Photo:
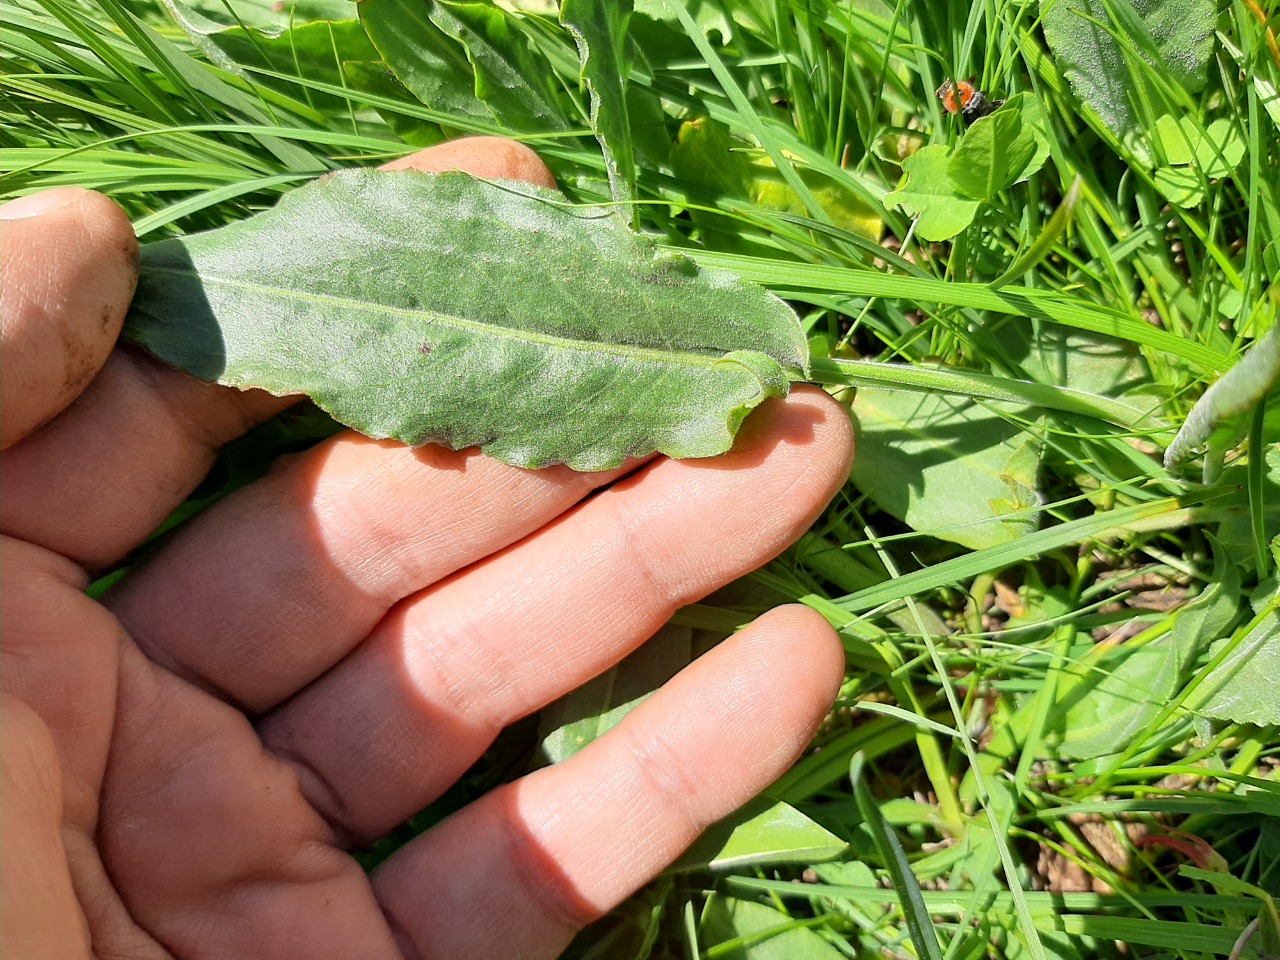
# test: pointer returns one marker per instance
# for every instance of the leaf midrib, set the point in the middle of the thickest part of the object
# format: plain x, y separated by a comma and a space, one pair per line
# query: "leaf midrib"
645, 354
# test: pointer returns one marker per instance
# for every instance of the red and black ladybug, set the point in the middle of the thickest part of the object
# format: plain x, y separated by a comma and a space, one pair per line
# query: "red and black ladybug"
962, 97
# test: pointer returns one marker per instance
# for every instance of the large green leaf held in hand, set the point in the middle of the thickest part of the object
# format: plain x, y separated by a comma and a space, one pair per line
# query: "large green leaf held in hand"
438, 307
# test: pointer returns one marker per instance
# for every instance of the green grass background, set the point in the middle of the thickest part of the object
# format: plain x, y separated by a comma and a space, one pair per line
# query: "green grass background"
1050, 634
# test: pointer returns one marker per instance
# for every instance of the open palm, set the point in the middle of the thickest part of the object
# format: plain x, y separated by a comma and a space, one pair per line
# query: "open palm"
313, 660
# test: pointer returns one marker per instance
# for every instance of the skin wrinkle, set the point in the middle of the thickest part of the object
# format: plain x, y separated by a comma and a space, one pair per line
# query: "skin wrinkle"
635, 543
320, 794
386, 561
662, 770
544, 882
444, 680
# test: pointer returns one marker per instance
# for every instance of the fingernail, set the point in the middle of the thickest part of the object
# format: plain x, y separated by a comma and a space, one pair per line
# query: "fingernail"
37, 204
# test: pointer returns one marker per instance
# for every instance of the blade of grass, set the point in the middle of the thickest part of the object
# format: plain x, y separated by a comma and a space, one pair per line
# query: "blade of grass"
1016, 301
1032, 545
1044, 243
747, 115
905, 884
898, 376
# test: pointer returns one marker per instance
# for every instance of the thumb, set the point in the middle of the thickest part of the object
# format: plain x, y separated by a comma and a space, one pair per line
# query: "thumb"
68, 265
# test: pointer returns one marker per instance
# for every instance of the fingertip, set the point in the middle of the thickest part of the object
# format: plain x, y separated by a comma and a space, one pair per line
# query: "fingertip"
492, 158
540, 857
70, 264
808, 657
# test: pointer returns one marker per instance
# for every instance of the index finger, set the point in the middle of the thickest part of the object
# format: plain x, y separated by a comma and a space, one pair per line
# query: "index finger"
97, 479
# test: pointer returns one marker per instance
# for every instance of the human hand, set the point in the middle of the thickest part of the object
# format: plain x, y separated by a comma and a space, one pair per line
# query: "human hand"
308, 663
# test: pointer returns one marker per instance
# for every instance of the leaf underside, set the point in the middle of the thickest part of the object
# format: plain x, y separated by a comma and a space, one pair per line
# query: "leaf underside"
439, 307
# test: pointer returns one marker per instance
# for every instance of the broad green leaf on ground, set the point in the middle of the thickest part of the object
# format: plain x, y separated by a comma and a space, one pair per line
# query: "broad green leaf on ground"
929, 192
440, 307
1088, 361
432, 66
764, 831
947, 466
1238, 390
998, 151
1237, 529
707, 155
599, 28
375, 77
511, 78
1243, 688
1103, 702
469, 59
1118, 54
313, 50
1192, 156
741, 930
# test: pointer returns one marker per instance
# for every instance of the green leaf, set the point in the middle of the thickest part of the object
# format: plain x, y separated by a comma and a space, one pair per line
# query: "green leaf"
312, 50
1179, 185
599, 28
375, 78
432, 65
469, 59
1118, 53
728, 168
927, 189
439, 307
1220, 150
1102, 705
995, 152
1243, 686
1238, 390
1193, 156
1089, 361
741, 930
946, 466
764, 831
273, 16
